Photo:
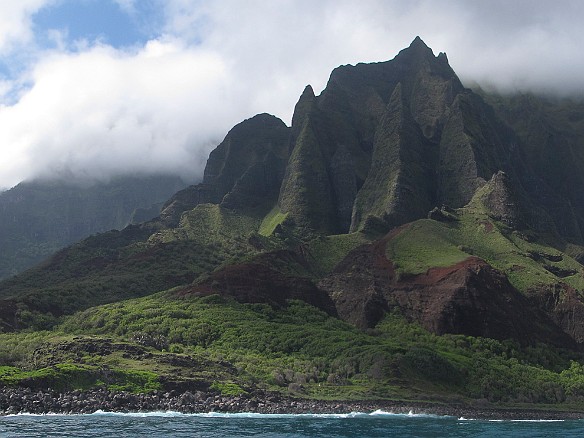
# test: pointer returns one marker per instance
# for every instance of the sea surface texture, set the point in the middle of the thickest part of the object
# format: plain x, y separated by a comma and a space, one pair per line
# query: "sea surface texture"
377, 424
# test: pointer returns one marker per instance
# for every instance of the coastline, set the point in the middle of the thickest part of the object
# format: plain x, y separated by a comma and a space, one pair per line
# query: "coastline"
28, 401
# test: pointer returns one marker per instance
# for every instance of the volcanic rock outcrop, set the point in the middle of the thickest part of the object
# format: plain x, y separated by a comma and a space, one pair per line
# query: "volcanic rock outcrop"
243, 173
470, 297
386, 142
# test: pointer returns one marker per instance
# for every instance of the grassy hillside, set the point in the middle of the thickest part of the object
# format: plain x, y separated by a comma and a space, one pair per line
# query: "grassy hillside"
136, 261
214, 343
526, 258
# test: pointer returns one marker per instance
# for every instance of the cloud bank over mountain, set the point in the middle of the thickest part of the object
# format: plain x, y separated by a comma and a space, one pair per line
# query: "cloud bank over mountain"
93, 106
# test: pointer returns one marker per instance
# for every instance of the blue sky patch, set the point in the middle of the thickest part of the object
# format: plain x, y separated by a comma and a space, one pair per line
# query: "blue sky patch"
96, 20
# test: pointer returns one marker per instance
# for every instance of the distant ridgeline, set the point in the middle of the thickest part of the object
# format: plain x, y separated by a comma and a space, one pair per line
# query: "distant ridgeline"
397, 199
40, 217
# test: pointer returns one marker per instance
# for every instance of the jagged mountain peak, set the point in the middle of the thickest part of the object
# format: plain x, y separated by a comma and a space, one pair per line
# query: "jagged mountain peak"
416, 55
418, 52
442, 57
302, 109
417, 45
308, 92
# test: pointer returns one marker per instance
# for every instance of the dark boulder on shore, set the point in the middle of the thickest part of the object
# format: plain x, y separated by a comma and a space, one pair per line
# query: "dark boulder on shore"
27, 401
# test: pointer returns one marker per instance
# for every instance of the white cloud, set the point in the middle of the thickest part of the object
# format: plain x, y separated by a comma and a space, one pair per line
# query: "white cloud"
524, 44
15, 22
520, 45
103, 112
163, 106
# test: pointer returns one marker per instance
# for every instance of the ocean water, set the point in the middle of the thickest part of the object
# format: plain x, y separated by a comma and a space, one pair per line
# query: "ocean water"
377, 424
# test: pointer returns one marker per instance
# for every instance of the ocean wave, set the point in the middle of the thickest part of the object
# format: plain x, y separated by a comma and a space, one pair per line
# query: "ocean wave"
241, 415
410, 414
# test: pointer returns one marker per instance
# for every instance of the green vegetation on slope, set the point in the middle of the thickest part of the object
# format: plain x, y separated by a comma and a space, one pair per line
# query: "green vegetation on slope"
230, 347
526, 262
274, 218
209, 224
326, 252
136, 261
219, 344
425, 244
67, 376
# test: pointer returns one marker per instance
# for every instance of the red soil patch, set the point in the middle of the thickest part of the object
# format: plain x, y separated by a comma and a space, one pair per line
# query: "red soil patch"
437, 274
470, 297
255, 282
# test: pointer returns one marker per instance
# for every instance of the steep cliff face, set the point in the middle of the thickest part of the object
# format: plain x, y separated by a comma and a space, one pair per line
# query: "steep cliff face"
565, 306
243, 173
507, 203
307, 192
550, 133
389, 141
400, 185
258, 143
393, 140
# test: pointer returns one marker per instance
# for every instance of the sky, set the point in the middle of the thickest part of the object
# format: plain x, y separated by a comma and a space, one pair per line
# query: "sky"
91, 89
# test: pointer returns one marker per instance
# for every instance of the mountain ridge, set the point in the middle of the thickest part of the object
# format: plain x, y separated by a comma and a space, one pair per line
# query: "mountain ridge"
431, 143
40, 217
398, 202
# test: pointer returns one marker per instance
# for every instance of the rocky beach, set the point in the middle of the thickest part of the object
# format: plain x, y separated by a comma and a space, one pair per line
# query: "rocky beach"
15, 401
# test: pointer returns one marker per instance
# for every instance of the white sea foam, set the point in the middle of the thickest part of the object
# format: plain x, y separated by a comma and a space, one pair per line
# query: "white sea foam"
504, 420
27, 414
141, 414
227, 415
410, 414
243, 415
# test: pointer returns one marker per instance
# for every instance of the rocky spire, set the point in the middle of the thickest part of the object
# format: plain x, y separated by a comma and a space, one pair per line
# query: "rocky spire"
418, 50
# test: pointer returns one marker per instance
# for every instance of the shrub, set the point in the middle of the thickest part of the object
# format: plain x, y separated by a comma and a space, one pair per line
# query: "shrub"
228, 388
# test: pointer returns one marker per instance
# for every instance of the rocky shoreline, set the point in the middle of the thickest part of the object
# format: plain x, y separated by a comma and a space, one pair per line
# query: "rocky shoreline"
28, 401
